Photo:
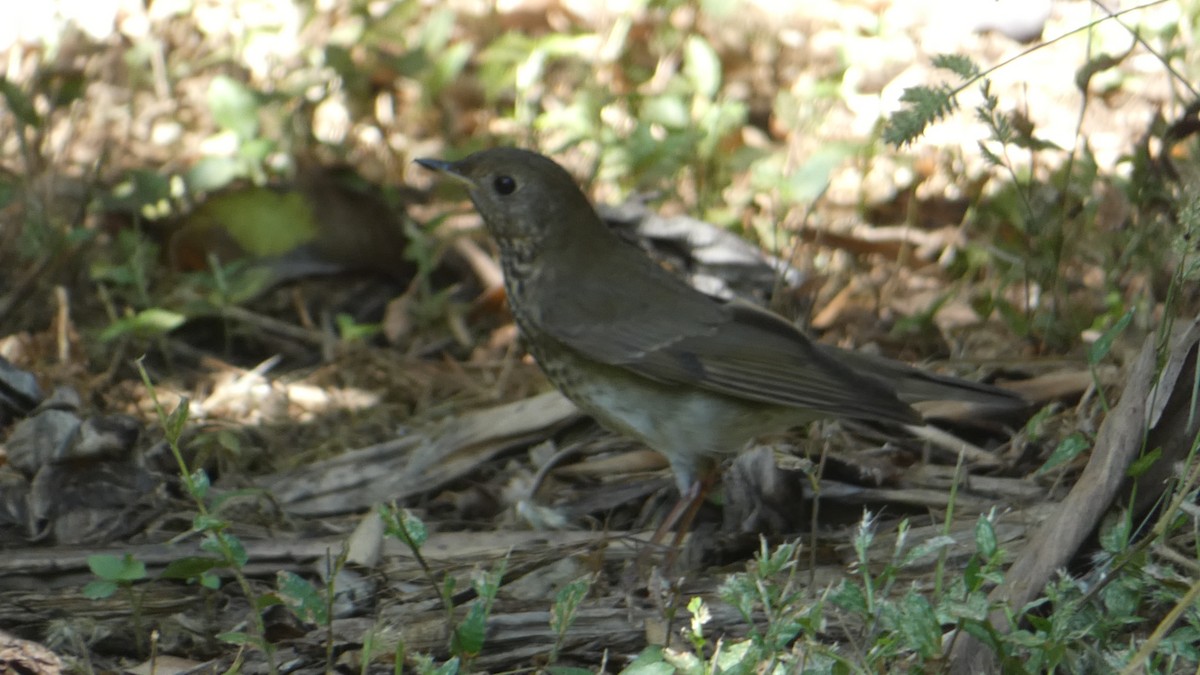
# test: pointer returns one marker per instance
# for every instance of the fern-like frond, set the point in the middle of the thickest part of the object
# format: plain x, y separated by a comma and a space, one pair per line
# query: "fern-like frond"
963, 66
924, 106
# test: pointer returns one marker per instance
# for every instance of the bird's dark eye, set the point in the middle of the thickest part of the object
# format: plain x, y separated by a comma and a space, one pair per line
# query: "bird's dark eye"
504, 185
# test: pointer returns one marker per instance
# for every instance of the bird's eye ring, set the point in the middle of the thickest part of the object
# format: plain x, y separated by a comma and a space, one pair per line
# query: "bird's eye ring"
504, 185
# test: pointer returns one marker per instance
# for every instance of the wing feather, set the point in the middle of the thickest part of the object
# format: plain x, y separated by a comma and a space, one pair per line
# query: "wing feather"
680, 336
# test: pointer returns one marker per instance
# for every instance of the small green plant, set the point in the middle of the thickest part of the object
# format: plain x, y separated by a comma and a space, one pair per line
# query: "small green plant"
466, 637
312, 605
113, 573
786, 622
778, 612
894, 629
118, 573
131, 271
226, 549
425, 251
300, 596
351, 330
34, 106
565, 608
236, 109
1041, 230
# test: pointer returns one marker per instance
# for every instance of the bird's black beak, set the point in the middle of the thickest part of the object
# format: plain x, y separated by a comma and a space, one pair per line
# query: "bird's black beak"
435, 164
445, 168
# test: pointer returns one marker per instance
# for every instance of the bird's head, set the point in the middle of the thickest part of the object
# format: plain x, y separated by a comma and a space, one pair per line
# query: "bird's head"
524, 198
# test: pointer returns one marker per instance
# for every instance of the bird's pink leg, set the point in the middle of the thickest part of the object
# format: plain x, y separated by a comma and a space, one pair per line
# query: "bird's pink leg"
683, 513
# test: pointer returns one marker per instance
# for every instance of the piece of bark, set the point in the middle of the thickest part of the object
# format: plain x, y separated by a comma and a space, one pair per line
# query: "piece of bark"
25, 657
1175, 422
421, 462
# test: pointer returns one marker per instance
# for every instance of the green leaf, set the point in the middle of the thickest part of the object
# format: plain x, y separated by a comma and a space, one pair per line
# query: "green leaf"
138, 189
487, 584
230, 441
191, 568
1120, 600
1068, 449
119, 569
236, 638
261, 221
920, 625
963, 66
739, 657
449, 64
469, 635
255, 151
702, 66
225, 545
201, 486
1103, 344
649, 662
233, 106
267, 600
700, 616
9, 190
302, 598
685, 662
66, 87
1142, 464
718, 8
1096, 65
925, 105
19, 103
559, 45
353, 331
99, 589
436, 29
1015, 318
804, 184
666, 109
448, 668
214, 173
177, 420
240, 557
403, 525
990, 157
148, 323
222, 500
105, 566
741, 592
926, 548
810, 180
1035, 428
209, 543
985, 537
566, 604
849, 596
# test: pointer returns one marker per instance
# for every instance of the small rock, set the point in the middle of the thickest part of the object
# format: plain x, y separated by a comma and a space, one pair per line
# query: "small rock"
63, 398
19, 392
110, 436
14, 502
43, 439
97, 503
761, 497
25, 656
1020, 20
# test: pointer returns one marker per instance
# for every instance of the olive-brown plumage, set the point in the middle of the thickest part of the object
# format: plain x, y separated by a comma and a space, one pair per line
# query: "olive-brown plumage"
692, 377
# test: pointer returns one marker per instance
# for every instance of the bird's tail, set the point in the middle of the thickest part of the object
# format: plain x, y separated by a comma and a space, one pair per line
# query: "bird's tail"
913, 385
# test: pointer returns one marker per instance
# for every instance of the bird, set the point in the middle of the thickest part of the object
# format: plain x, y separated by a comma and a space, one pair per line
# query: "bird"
646, 355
